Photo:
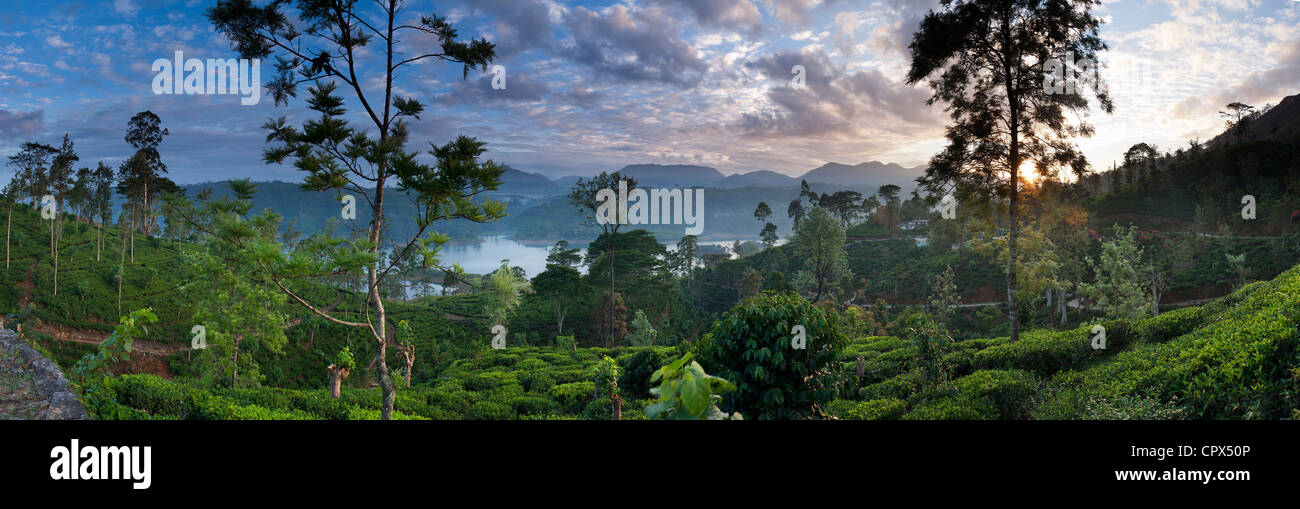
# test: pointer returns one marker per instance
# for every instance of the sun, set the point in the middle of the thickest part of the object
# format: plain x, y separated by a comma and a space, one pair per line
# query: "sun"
1029, 172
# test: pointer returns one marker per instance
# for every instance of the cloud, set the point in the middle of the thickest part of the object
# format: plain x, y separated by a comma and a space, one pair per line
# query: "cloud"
479, 91
126, 7
733, 15
643, 45
520, 25
57, 42
21, 124
835, 102
1255, 87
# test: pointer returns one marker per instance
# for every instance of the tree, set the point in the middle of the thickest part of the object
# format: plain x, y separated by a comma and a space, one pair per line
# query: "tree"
987, 59
1119, 289
239, 307
820, 241
769, 235
60, 182
563, 255
343, 365
31, 167
505, 288
641, 332
585, 195
330, 50
944, 297
610, 316
1140, 155
102, 198
762, 212
142, 176
889, 194
687, 248
1235, 118
795, 211
843, 204
751, 283
561, 286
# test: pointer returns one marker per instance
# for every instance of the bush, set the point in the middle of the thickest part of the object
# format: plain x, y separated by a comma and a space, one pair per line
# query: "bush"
573, 397
635, 381
751, 347
491, 410
532, 405
876, 409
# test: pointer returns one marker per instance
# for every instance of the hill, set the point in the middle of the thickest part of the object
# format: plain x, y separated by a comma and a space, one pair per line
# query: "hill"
1232, 358
864, 176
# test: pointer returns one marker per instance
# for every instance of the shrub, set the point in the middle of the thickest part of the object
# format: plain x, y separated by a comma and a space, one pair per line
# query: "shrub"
491, 410
751, 347
635, 380
876, 409
686, 392
573, 397
532, 405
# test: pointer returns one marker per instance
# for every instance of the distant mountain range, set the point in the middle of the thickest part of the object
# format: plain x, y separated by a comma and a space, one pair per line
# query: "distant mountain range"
866, 177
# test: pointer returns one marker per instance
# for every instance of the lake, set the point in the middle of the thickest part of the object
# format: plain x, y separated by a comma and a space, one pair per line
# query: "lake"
486, 256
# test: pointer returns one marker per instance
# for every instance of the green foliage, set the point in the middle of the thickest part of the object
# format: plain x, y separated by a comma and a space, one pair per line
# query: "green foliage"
345, 360
635, 378
640, 332
751, 346
876, 409
686, 392
1121, 277
604, 375
565, 343
117, 346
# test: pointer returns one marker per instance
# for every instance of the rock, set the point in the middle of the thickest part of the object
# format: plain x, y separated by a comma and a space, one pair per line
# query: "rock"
65, 406
59, 400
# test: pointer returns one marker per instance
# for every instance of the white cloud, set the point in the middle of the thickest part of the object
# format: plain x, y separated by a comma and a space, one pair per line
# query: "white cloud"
126, 7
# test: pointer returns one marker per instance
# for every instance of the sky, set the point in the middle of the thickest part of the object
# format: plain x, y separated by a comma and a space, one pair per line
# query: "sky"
592, 86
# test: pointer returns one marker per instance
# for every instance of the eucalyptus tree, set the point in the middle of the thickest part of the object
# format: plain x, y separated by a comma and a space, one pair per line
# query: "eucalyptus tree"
60, 182
989, 62
586, 195
333, 43
102, 196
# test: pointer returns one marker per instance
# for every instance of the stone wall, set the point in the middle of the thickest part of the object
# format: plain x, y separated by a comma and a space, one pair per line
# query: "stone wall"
55, 398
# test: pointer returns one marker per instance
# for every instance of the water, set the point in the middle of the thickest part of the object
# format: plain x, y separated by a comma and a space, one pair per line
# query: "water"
486, 256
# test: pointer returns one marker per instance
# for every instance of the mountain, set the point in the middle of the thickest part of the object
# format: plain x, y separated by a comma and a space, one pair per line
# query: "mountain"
868, 176
675, 175
760, 178
1281, 122
521, 182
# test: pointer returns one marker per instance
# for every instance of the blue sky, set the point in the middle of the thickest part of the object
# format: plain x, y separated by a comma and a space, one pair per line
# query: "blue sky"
595, 85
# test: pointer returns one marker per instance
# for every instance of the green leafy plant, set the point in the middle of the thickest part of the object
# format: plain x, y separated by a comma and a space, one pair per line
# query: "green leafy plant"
688, 393
753, 346
117, 346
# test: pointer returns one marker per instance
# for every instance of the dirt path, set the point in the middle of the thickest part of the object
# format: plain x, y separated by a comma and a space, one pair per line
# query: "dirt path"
94, 337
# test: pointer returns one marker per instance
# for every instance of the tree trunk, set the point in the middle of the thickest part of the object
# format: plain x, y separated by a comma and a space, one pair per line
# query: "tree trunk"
408, 354
1063, 304
337, 375
614, 231
8, 226
618, 407
99, 233
234, 380
121, 276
